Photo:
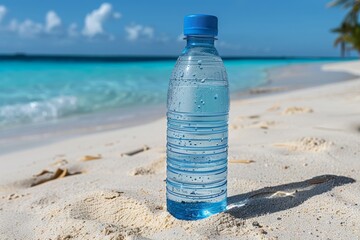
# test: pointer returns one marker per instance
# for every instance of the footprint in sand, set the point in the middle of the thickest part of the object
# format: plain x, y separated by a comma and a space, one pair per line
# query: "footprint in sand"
124, 215
153, 168
112, 207
307, 144
297, 110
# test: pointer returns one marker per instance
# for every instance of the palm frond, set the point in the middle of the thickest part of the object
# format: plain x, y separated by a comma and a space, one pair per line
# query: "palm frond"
343, 3
352, 16
349, 30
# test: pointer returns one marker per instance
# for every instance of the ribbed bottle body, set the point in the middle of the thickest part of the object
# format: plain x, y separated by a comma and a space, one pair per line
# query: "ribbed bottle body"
197, 134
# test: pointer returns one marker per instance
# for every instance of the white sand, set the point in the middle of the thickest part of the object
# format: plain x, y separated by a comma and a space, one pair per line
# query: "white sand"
293, 138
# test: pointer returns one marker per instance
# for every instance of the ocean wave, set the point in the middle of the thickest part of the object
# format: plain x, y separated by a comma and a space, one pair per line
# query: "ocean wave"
38, 111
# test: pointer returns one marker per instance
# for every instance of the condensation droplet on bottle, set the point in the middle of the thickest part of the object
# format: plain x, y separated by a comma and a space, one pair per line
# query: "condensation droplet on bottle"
216, 96
203, 80
199, 106
182, 74
199, 62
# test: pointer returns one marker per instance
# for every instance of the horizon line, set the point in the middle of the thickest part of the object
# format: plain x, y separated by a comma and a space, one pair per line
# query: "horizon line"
130, 57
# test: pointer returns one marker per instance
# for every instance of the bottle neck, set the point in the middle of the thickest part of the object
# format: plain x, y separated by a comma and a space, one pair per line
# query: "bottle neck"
203, 41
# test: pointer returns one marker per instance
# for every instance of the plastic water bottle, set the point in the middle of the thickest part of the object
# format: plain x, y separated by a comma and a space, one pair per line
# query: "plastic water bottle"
197, 130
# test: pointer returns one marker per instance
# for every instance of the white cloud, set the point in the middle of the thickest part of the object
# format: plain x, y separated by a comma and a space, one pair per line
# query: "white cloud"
94, 21
93, 25
27, 28
30, 28
3, 11
52, 21
135, 31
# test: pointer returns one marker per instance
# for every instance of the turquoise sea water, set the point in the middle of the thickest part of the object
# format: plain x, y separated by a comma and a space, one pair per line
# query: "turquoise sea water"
41, 91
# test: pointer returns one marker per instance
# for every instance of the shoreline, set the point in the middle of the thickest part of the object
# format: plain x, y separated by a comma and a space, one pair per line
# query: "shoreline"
280, 79
292, 156
33, 135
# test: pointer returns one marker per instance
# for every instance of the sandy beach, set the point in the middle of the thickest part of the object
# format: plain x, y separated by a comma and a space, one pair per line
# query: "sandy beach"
294, 163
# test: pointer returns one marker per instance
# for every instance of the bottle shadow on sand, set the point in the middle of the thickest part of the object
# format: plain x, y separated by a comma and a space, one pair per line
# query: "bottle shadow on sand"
278, 198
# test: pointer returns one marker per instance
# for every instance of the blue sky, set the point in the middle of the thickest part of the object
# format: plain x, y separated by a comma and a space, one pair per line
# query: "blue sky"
141, 27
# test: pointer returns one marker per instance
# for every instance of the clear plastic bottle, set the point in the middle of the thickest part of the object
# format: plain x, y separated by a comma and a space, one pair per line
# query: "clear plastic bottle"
197, 133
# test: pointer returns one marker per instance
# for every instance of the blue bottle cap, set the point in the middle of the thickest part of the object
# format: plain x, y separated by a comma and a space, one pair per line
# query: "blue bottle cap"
200, 24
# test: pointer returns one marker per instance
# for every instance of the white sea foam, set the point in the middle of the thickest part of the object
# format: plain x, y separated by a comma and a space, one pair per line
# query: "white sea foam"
38, 111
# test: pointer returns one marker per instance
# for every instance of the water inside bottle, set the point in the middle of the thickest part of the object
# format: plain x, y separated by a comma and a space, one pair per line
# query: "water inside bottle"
197, 138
